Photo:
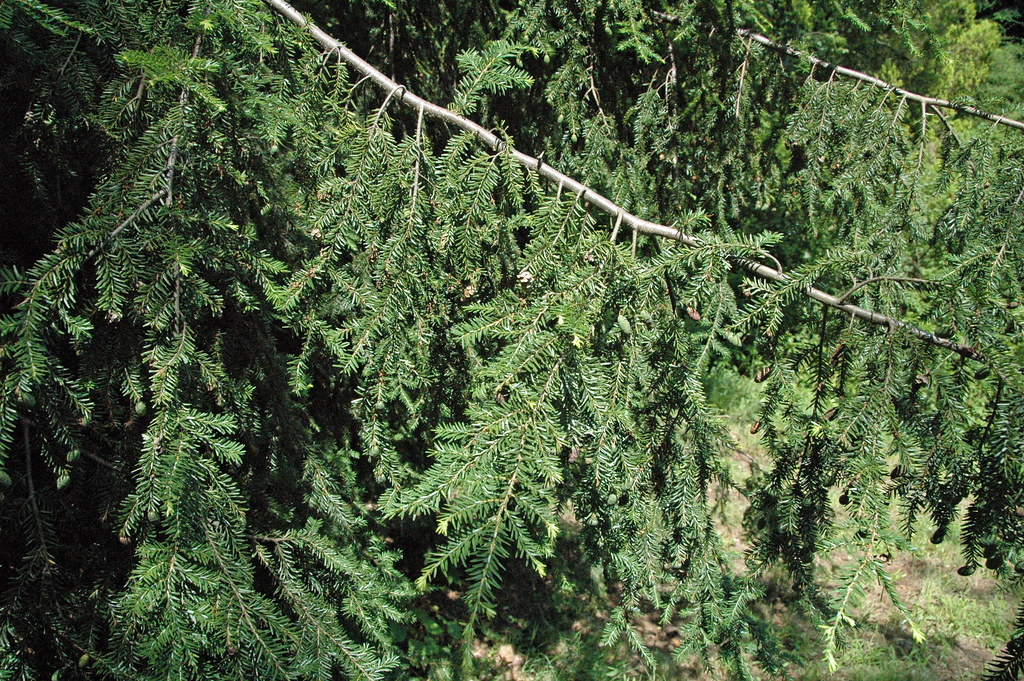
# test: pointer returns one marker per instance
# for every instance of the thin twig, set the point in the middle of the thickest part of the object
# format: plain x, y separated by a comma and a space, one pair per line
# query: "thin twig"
824, 108
1006, 237
127, 221
71, 54
100, 460
271, 540
778, 265
598, 200
168, 203
899, 112
755, 465
924, 131
597, 97
743, 73
36, 515
416, 167
942, 117
384, 106
172, 159
991, 416
615, 230
177, 299
672, 75
872, 280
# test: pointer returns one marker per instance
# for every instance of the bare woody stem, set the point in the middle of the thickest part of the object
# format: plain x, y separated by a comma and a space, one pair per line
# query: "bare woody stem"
586, 193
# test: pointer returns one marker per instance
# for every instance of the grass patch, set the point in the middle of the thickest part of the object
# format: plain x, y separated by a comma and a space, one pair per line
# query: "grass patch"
966, 621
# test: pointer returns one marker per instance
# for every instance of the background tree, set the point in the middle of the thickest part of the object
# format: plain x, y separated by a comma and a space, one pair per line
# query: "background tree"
281, 347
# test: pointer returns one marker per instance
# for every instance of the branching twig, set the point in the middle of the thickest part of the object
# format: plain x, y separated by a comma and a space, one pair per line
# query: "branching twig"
598, 200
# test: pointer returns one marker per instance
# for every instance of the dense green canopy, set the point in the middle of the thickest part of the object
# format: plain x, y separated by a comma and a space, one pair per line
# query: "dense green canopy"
285, 347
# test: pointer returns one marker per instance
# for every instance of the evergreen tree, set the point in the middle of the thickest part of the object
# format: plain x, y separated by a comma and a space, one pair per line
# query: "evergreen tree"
285, 342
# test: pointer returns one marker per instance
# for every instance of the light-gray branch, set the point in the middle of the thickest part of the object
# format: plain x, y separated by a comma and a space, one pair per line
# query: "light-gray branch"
924, 100
586, 193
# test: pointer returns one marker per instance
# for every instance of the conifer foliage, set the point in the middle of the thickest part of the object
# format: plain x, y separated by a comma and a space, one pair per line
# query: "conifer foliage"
259, 317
